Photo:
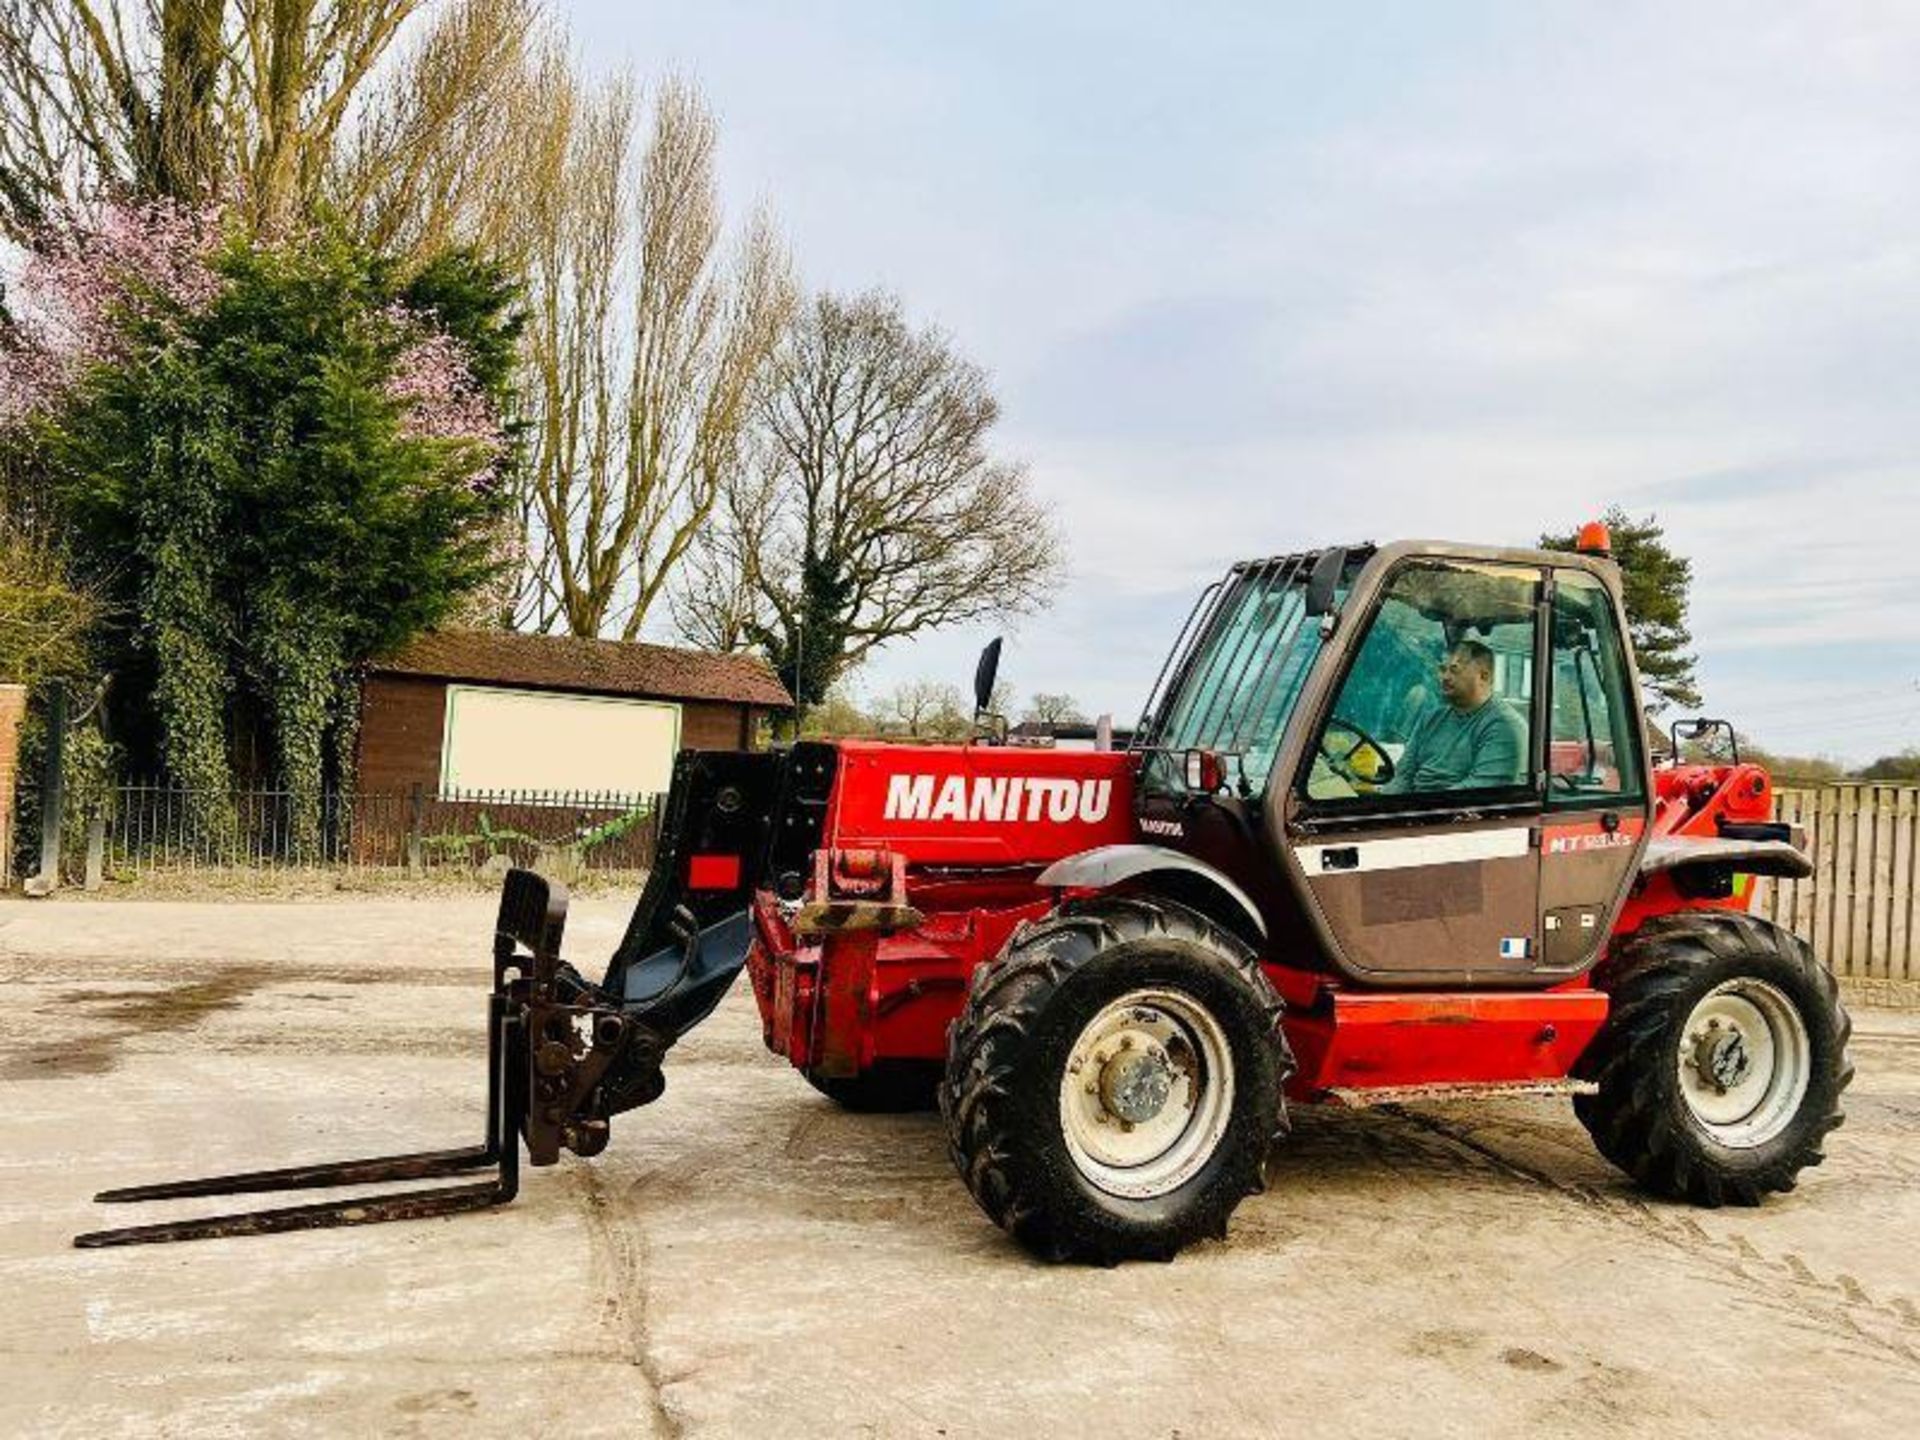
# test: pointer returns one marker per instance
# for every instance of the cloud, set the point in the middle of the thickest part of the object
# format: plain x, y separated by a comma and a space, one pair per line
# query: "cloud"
1743, 484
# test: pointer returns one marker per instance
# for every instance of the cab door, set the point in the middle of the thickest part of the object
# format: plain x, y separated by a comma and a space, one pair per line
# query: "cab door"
1597, 803
1416, 810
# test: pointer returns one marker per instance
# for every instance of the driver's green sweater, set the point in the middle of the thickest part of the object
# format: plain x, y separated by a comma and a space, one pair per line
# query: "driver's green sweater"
1451, 749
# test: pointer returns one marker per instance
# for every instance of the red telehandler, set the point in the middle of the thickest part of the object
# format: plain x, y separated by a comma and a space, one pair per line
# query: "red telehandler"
1387, 830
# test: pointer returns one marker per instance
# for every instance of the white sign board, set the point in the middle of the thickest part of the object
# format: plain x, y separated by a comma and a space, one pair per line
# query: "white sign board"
528, 740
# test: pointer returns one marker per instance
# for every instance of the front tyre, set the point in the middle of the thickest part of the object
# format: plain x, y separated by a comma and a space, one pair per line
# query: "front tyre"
1114, 1082
1722, 1060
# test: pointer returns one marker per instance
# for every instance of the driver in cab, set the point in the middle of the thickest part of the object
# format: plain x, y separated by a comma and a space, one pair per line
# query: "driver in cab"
1472, 742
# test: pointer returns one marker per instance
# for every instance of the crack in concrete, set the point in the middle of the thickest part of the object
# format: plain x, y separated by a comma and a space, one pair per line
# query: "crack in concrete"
620, 1256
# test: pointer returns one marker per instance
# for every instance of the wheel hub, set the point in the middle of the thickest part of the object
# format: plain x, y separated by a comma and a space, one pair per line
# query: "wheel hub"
1722, 1058
1147, 1093
1745, 1061
1136, 1084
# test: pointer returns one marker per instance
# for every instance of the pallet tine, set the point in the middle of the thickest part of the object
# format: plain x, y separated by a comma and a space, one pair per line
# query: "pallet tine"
532, 913
505, 1099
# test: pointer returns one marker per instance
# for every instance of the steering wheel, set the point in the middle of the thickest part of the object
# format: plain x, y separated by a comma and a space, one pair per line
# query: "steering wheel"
1342, 760
1578, 782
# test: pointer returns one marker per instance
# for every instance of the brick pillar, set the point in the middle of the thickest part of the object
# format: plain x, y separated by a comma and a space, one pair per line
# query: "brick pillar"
13, 710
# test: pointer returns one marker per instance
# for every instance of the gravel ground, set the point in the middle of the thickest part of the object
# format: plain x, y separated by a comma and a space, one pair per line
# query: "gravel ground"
746, 1259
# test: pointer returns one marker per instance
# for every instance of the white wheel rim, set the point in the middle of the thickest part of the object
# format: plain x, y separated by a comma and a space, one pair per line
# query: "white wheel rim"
1147, 1094
1745, 1062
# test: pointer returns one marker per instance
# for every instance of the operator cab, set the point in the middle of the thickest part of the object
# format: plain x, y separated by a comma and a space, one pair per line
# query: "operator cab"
1407, 756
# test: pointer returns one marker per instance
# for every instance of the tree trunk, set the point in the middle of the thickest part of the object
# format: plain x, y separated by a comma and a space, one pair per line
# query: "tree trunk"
185, 149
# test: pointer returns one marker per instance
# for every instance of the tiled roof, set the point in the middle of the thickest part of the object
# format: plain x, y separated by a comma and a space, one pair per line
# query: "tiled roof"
601, 667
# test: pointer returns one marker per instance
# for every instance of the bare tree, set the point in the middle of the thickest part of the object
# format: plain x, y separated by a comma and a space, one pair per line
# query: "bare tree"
441, 150
1049, 709
839, 713
924, 709
877, 510
71, 103
274, 105
716, 602
647, 342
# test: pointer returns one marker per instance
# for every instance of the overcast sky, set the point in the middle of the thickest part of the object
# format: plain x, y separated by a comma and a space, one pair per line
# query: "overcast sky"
1253, 278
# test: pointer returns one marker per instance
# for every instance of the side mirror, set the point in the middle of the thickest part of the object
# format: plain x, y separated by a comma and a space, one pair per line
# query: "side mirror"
1323, 580
1205, 774
984, 674
1689, 730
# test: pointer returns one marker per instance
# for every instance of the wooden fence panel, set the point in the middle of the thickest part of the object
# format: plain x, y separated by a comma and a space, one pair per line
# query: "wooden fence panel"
1797, 807
1901, 935
1857, 897
1840, 883
1808, 817
1826, 853
1860, 909
1880, 892
1845, 805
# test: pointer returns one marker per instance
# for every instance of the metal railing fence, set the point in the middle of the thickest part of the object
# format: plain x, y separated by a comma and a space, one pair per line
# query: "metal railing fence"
140, 828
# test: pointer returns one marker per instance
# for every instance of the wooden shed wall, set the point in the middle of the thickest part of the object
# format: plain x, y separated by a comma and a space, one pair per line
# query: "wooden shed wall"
403, 720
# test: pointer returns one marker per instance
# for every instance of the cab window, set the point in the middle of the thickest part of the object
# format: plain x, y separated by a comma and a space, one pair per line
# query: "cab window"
1438, 700
1594, 754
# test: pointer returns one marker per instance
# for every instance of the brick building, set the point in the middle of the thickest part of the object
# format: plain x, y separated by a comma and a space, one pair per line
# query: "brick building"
13, 711
488, 710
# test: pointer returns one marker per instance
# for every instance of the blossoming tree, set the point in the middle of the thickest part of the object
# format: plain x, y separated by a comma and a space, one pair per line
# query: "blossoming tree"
280, 459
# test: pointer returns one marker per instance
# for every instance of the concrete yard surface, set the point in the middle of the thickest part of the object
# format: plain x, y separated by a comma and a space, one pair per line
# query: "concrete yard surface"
746, 1259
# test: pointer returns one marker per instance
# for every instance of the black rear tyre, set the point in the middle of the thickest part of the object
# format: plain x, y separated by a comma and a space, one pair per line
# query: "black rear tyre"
1722, 1060
1108, 1009
891, 1087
